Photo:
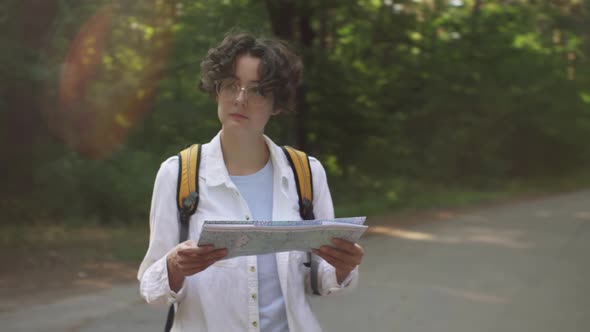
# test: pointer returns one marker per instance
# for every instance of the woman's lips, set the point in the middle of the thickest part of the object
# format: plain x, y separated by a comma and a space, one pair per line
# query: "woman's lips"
238, 116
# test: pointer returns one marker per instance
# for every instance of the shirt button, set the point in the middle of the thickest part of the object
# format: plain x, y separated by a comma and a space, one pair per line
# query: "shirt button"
254, 296
252, 269
254, 323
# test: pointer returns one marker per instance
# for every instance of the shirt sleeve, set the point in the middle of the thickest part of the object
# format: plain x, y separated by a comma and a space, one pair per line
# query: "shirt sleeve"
324, 209
164, 232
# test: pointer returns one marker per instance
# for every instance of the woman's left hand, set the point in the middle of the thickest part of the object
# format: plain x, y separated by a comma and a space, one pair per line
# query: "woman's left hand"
344, 256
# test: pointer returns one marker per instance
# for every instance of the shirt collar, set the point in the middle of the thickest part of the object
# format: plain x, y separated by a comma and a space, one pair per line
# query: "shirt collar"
213, 164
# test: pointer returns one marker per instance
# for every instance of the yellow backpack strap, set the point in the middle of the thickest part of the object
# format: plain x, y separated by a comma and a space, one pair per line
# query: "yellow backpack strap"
187, 196
187, 199
302, 171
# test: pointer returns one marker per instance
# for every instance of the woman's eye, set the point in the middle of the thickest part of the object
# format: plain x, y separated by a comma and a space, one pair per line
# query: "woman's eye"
257, 91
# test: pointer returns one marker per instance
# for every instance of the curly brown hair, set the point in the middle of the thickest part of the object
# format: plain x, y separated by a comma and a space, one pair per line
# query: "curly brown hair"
280, 70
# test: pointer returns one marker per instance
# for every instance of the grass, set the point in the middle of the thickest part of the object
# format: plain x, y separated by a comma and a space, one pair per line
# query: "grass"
434, 198
66, 259
94, 242
127, 244
424, 197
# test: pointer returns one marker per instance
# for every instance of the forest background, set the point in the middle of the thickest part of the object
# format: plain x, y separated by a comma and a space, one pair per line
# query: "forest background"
409, 104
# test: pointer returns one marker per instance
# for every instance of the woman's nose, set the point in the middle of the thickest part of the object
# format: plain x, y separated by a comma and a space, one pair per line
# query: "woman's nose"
241, 98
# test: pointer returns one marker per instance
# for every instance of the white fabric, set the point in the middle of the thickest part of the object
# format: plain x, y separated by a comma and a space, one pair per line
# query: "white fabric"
224, 297
256, 189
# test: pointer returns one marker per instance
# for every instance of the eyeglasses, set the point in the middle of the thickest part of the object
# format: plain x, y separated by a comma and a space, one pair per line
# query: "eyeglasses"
230, 90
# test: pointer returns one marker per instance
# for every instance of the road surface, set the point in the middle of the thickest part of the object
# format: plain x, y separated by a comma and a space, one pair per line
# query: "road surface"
517, 267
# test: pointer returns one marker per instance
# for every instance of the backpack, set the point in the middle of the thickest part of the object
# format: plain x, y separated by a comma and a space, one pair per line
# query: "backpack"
187, 198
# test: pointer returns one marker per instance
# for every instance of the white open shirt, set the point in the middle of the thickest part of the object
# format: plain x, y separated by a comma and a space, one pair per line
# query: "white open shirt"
224, 296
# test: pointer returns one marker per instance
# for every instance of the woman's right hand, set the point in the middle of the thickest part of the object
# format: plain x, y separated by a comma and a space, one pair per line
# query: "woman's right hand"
187, 259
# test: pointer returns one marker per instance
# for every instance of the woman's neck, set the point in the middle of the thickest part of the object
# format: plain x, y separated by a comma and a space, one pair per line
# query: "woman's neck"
243, 155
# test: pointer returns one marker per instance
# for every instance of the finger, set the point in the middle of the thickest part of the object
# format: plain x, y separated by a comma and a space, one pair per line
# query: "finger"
346, 245
202, 265
352, 248
343, 256
186, 245
201, 257
215, 254
193, 266
190, 260
195, 251
190, 243
203, 260
336, 263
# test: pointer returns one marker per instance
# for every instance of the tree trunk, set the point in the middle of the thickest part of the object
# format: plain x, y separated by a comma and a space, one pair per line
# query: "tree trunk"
284, 14
282, 17
30, 22
306, 36
475, 17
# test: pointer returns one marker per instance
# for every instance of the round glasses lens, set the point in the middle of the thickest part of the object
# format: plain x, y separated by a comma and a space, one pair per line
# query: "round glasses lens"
229, 91
255, 96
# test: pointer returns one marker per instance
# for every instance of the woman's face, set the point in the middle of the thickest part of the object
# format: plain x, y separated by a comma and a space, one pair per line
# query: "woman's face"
240, 106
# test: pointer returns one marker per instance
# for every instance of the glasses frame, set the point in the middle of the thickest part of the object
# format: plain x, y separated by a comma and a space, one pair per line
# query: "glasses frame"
233, 95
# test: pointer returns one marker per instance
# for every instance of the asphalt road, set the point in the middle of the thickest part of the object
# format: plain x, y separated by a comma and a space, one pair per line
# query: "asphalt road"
517, 267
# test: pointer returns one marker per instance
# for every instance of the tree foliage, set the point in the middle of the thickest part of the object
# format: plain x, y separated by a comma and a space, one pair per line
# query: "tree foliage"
397, 94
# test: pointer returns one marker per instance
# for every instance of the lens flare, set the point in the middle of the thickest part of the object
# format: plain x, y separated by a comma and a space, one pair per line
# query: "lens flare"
110, 74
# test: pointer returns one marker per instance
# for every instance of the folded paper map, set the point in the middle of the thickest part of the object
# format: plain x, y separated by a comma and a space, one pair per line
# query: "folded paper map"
243, 238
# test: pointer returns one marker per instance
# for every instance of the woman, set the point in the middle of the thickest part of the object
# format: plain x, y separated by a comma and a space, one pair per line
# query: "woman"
243, 176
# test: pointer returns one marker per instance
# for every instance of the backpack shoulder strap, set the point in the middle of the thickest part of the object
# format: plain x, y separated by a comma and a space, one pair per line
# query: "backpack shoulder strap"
303, 178
187, 199
187, 196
